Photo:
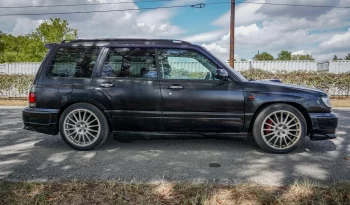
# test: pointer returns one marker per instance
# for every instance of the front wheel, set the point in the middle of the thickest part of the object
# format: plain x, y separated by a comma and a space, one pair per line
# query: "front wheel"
83, 126
279, 128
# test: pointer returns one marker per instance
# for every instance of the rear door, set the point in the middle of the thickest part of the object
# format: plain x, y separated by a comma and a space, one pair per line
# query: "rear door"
67, 76
193, 99
128, 87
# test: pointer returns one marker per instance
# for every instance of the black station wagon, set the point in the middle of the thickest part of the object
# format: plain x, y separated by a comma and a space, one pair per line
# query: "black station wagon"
87, 89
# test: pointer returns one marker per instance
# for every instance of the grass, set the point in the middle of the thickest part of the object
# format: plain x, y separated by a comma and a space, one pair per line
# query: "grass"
339, 102
88, 192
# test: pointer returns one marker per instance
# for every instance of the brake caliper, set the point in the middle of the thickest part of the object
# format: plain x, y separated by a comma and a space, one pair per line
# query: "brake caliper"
268, 126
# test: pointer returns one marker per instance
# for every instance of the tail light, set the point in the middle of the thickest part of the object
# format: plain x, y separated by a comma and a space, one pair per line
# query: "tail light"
32, 97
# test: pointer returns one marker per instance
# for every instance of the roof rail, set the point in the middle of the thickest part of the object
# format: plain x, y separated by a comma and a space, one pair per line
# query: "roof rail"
127, 39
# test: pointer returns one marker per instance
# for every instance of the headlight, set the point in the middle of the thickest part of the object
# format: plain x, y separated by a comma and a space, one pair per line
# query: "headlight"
326, 101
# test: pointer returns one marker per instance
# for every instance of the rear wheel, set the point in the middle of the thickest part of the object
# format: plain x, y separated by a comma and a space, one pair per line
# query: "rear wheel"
279, 128
83, 126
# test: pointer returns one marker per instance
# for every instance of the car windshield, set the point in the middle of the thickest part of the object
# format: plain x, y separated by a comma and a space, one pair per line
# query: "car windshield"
238, 74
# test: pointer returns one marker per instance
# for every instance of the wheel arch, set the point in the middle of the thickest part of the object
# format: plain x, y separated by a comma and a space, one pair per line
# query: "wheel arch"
67, 104
301, 108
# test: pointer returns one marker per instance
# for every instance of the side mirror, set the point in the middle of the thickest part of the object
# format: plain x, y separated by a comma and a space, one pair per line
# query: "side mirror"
221, 74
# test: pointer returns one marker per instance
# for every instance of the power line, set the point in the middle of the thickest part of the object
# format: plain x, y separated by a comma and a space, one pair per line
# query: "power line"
114, 10
150, 1
86, 4
296, 5
165, 7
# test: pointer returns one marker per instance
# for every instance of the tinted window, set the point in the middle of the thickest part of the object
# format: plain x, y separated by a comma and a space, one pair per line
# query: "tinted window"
130, 62
74, 62
185, 64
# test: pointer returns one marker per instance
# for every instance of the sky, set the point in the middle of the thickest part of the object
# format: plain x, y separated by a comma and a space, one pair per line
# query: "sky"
321, 32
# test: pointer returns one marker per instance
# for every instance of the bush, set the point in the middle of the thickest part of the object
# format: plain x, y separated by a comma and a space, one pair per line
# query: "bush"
331, 83
18, 84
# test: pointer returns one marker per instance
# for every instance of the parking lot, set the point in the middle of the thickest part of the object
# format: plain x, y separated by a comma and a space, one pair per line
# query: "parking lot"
26, 155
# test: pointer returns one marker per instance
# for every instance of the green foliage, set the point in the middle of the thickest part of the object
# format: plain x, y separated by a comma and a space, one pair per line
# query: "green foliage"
285, 55
54, 30
16, 82
347, 57
306, 57
185, 74
323, 81
30, 47
263, 57
335, 58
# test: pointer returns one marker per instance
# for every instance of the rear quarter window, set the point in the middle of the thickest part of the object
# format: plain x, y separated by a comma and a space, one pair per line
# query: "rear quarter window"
74, 62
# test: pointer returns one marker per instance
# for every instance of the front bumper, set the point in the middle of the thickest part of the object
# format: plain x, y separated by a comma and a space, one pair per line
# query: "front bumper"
41, 120
324, 126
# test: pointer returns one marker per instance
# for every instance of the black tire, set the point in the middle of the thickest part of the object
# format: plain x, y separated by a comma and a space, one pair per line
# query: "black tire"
104, 127
257, 128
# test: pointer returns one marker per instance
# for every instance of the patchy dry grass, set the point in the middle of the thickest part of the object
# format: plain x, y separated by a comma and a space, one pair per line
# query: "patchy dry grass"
339, 102
344, 102
82, 192
13, 102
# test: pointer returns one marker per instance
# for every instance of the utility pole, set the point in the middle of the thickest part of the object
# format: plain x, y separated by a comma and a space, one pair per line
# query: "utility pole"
232, 34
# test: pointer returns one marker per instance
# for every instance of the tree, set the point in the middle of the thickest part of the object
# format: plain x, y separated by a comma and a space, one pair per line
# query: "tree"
263, 57
54, 30
306, 57
2, 45
347, 57
285, 55
30, 47
243, 59
335, 58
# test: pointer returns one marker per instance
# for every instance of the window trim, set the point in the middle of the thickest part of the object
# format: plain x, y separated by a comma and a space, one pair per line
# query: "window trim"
104, 57
53, 55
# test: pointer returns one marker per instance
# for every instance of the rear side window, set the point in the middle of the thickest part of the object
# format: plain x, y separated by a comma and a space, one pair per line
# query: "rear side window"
130, 63
74, 62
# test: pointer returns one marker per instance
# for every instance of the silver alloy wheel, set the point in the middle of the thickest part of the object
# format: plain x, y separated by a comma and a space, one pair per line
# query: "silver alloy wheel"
81, 127
281, 130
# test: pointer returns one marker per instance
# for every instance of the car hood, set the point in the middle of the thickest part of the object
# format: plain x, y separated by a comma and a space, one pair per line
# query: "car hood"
285, 87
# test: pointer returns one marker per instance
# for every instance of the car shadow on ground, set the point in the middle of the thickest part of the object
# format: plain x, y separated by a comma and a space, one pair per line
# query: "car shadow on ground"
28, 155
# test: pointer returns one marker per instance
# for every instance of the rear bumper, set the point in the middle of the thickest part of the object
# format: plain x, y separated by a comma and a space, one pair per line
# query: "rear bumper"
41, 120
324, 126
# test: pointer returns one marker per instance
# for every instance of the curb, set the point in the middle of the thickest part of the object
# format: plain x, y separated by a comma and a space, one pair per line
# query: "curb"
12, 107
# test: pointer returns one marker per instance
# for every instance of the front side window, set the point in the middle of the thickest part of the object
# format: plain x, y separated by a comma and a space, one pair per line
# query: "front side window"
130, 63
185, 64
74, 62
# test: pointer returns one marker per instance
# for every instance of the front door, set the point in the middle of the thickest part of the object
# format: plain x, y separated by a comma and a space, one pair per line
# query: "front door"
193, 99
129, 89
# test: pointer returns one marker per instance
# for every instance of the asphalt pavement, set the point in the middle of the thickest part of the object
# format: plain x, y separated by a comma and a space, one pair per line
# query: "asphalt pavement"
26, 155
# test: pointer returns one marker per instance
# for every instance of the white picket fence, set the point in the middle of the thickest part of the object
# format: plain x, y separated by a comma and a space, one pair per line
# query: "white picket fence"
339, 66
277, 65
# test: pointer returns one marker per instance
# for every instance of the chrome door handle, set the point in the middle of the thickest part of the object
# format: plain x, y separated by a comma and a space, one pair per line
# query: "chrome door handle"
107, 85
175, 87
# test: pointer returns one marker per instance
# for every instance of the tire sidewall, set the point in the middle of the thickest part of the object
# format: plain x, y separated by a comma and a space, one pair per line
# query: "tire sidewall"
260, 120
99, 114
